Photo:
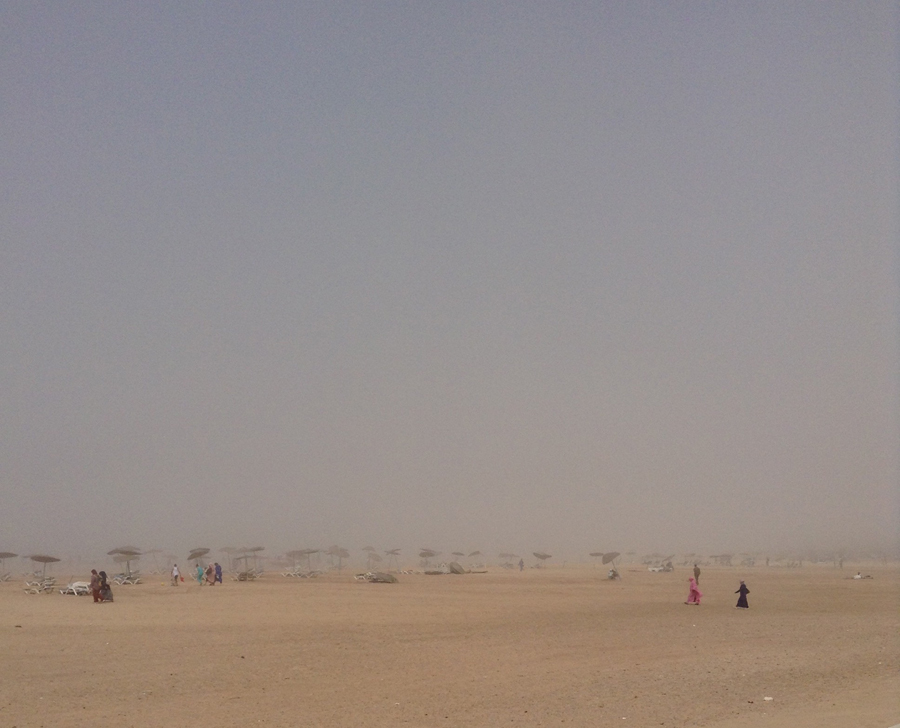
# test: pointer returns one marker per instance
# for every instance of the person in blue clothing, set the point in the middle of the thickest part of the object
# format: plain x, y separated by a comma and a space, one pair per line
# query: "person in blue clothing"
218, 572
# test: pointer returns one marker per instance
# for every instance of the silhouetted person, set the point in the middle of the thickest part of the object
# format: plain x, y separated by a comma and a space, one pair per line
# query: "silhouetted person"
742, 599
105, 590
521, 564
696, 573
95, 585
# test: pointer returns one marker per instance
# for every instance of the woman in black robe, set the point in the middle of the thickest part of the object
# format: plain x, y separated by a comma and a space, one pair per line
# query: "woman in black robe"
105, 590
742, 599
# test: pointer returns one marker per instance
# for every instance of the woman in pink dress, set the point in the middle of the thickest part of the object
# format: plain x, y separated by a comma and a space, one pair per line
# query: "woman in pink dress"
694, 593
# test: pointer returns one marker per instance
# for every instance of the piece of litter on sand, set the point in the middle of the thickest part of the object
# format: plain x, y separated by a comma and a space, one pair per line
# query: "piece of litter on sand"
768, 698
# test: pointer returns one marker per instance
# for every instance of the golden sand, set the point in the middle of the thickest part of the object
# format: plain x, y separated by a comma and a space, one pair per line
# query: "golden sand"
557, 646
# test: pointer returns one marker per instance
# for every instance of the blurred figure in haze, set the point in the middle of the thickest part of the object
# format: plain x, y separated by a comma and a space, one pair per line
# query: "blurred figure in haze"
95, 585
105, 590
175, 575
521, 564
218, 572
696, 573
694, 594
742, 599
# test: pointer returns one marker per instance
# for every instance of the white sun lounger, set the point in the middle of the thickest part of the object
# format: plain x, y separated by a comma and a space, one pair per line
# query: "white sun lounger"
77, 588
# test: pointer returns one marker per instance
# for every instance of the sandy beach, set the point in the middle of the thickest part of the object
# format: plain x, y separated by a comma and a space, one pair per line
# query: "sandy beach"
553, 646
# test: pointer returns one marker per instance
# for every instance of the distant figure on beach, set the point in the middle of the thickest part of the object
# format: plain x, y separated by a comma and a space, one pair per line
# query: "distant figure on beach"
199, 574
95, 585
210, 575
218, 572
175, 575
696, 573
742, 599
105, 591
521, 564
694, 594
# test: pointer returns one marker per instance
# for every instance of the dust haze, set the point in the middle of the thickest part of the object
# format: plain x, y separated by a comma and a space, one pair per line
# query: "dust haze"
500, 278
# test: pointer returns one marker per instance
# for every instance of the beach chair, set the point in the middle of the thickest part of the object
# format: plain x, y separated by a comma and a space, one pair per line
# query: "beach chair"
40, 587
76, 588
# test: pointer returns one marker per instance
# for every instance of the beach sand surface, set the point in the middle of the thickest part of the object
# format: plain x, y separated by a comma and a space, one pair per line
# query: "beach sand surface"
559, 646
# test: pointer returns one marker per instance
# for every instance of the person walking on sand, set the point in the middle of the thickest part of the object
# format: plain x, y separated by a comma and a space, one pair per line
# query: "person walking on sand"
210, 575
95, 585
175, 575
199, 574
694, 594
105, 590
218, 572
742, 599
521, 564
696, 573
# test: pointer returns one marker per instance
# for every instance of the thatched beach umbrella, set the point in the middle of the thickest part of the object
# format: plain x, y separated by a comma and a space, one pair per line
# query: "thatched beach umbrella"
43, 559
370, 552
611, 556
6, 555
153, 553
307, 553
393, 555
541, 556
128, 553
254, 551
293, 556
340, 553
197, 554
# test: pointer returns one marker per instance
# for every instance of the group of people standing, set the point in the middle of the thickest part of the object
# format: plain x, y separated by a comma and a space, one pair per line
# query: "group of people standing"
100, 587
694, 593
212, 574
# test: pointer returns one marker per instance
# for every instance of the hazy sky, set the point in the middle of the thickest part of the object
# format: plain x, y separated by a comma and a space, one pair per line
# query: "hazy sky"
512, 275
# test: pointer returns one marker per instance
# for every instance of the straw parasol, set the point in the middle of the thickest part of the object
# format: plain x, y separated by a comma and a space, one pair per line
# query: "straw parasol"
308, 553
128, 553
372, 557
197, 554
253, 552
293, 556
340, 552
427, 554
6, 555
393, 555
44, 559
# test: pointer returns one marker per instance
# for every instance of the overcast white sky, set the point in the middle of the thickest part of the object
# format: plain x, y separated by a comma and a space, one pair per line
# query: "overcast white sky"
499, 276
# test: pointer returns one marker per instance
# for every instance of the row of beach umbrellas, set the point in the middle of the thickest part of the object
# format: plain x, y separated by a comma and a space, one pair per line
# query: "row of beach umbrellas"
127, 554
